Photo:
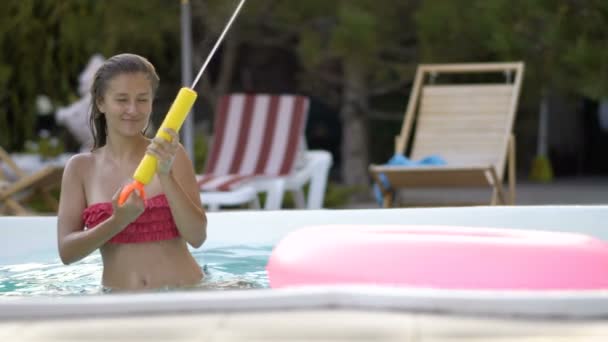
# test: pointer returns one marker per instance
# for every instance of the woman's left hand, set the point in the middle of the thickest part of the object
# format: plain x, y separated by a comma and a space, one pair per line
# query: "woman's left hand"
164, 151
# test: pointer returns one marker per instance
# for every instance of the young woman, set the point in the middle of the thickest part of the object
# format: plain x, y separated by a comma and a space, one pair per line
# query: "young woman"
143, 244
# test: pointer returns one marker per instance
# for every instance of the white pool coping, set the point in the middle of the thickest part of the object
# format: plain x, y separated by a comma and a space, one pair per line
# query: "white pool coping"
23, 237
497, 304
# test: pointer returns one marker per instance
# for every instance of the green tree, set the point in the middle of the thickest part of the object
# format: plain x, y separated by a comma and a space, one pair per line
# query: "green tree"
34, 52
585, 31
352, 51
537, 32
45, 45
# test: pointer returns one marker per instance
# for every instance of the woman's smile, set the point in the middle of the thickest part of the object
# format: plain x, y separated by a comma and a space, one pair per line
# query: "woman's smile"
131, 119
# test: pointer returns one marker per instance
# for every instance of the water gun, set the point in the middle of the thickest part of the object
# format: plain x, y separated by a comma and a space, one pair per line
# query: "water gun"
174, 119
147, 167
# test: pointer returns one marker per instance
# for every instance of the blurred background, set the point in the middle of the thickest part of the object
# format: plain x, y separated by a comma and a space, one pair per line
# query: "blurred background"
355, 59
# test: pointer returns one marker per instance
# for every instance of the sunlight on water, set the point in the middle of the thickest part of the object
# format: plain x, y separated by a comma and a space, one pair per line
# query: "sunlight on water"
226, 268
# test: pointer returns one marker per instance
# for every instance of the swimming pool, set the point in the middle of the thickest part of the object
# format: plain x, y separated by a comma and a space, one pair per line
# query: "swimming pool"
225, 268
26, 239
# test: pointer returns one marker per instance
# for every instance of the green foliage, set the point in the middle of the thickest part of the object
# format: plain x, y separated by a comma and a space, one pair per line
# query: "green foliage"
336, 196
147, 27
558, 41
200, 152
339, 196
353, 32
47, 43
46, 146
585, 58
356, 34
452, 31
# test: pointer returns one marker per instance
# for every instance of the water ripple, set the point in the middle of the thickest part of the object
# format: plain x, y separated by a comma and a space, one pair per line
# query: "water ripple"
226, 268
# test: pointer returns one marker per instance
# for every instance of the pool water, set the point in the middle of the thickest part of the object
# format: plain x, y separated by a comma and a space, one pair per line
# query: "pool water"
226, 268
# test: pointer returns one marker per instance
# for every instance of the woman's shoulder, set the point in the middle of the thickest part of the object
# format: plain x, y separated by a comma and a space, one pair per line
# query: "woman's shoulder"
80, 161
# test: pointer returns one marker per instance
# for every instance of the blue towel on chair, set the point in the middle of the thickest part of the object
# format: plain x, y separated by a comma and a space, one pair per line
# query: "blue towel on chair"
402, 160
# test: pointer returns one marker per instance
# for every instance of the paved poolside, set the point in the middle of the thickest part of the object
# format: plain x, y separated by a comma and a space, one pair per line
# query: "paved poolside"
562, 191
302, 326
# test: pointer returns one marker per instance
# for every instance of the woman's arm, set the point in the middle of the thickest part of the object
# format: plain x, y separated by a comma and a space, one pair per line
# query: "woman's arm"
183, 196
75, 243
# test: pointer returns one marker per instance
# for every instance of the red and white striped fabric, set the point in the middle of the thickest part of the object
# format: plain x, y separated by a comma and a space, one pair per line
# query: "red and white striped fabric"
255, 135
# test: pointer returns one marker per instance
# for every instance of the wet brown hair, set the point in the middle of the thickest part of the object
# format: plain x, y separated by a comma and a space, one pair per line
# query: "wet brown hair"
125, 63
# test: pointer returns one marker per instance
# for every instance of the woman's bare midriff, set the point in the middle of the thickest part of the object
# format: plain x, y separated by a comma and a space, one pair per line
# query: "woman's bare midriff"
149, 265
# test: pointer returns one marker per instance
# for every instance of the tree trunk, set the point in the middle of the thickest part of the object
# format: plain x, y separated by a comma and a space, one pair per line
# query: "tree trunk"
354, 146
542, 148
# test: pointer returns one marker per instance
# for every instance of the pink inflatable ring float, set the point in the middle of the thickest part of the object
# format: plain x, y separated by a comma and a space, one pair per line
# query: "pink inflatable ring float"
442, 257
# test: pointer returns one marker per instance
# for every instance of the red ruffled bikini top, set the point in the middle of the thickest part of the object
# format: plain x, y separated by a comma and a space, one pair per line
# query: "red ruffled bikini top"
154, 224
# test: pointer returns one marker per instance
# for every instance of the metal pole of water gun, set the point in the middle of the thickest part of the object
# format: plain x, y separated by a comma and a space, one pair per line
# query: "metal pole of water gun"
217, 43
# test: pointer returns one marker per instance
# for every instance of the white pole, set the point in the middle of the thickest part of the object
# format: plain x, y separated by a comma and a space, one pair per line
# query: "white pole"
186, 29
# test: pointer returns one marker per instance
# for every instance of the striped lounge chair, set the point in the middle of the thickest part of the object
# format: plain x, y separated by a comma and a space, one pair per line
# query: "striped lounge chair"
257, 140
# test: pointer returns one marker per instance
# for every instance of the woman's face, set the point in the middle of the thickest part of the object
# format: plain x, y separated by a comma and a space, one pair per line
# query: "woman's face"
127, 103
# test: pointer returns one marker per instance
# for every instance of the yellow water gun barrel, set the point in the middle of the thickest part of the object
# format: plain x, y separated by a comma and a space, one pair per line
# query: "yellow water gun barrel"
147, 167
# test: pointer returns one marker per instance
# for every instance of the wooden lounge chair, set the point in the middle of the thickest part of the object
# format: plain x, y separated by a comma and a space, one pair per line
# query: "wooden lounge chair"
469, 125
38, 183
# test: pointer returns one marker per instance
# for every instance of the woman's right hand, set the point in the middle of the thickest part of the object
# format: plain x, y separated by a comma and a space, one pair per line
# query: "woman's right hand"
130, 210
